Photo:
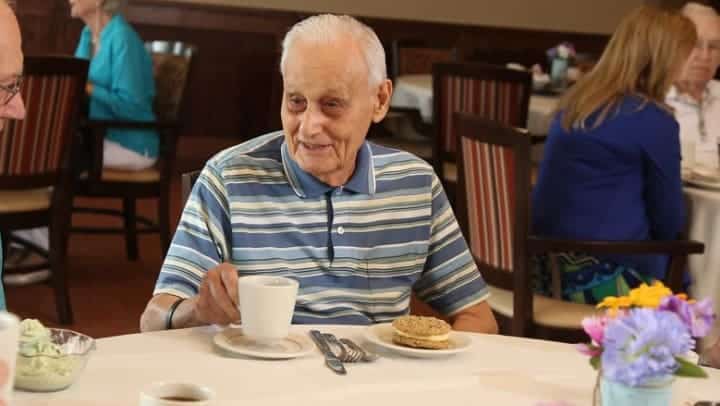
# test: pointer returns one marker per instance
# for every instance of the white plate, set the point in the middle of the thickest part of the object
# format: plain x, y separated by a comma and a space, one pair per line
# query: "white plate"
233, 341
381, 335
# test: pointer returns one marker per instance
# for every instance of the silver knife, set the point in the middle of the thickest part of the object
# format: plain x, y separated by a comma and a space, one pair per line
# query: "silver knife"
330, 359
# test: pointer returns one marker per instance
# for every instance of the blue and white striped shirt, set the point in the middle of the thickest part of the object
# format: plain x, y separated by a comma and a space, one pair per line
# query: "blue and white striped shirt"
357, 250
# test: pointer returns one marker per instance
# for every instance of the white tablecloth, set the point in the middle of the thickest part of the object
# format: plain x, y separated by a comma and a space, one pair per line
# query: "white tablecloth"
415, 91
703, 226
496, 370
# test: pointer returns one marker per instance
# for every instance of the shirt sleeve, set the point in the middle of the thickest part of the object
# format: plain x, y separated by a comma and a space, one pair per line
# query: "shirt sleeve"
450, 281
203, 237
132, 86
663, 184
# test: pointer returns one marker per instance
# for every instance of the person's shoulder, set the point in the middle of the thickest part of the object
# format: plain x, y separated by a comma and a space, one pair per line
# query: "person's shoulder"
640, 108
264, 147
390, 160
122, 31
713, 87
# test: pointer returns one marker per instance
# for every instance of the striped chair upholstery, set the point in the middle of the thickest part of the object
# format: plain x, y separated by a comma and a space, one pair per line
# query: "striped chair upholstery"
35, 164
36, 146
489, 173
489, 91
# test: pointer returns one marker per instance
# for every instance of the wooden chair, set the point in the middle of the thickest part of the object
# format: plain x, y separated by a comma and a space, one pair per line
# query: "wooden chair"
490, 91
494, 212
36, 179
171, 67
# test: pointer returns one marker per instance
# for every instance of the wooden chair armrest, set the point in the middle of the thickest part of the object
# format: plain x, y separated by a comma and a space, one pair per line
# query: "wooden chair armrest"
540, 245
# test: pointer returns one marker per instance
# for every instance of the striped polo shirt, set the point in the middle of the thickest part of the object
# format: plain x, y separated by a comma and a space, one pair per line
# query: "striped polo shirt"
357, 250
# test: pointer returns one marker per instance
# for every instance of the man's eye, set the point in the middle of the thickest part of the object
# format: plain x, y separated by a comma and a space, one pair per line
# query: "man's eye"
296, 103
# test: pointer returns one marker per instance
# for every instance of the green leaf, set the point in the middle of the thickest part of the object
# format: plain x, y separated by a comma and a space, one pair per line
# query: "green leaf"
595, 362
688, 369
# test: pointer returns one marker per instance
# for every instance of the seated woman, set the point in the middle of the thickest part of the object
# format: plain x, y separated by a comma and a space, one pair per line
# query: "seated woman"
611, 169
120, 87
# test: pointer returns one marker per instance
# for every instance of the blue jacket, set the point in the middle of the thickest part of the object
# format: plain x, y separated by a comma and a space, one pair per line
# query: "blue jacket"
121, 73
619, 181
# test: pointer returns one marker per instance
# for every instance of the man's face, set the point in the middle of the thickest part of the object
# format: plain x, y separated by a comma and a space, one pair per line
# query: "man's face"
705, 57
11, 64
328, 105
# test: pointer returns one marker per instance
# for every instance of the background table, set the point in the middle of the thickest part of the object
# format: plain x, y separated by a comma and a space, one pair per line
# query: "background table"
703, 226
415, 91
497, 370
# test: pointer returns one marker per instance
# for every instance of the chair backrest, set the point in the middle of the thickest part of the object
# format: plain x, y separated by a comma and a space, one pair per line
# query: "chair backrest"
35, 151
490, 91
188, 181
416, 57
493, 202
171, 67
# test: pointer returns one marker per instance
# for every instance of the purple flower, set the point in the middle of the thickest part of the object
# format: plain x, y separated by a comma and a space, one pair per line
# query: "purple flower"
643, 345
698, 316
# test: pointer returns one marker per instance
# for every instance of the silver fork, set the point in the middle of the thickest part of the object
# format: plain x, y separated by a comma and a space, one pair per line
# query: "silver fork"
347, 354
367, 355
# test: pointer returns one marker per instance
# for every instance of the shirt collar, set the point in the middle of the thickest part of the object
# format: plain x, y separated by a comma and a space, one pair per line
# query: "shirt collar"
676, 96
306, 185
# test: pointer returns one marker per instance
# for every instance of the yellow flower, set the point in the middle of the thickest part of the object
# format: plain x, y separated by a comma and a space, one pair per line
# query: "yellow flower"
649, 296
614, 303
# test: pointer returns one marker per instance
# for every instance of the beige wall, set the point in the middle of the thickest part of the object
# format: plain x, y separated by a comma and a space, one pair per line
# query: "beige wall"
593, 16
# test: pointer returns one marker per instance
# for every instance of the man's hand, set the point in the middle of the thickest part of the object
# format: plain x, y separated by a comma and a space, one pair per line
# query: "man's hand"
217, 300
216, 303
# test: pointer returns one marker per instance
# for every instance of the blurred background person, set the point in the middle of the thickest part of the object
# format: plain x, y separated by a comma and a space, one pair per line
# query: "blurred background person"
611, 169
695, 95
11, 66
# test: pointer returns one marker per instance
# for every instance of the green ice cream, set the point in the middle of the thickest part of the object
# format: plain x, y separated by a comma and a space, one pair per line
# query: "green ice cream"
41, 362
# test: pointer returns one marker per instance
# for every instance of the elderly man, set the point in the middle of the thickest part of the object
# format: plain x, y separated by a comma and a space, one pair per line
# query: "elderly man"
696, 96
11, 64
358, 225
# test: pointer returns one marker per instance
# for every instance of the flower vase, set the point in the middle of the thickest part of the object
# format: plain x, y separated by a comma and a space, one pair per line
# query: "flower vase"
657, 393
558, 72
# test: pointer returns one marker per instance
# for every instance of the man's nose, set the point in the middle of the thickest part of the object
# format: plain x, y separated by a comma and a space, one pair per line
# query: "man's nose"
311, 122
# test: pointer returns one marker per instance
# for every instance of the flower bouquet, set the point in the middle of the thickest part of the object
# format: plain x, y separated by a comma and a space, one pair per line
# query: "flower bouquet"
642, 341
560, 57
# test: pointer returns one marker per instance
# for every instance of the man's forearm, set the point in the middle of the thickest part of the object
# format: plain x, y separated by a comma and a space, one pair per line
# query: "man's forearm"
476, 319
154, 317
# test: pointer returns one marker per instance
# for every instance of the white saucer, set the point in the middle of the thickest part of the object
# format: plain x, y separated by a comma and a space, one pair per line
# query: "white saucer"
233, 341
381, 335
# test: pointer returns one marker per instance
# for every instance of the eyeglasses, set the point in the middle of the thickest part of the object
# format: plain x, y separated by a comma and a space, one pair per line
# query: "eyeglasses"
8, 92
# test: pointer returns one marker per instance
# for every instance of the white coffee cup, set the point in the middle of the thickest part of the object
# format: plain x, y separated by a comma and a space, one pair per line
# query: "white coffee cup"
267, 304
176, 394
9, 339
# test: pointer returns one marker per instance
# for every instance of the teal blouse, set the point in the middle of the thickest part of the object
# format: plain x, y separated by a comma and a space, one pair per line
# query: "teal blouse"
121, 73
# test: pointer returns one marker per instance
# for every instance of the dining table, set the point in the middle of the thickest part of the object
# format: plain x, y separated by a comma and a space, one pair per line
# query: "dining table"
492, 369
415, 91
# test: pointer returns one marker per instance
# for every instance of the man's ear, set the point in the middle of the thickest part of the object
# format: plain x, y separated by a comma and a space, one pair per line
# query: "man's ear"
382, 105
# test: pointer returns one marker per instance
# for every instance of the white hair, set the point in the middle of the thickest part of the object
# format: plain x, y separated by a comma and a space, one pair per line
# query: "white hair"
113, 7
696, 9
326, 28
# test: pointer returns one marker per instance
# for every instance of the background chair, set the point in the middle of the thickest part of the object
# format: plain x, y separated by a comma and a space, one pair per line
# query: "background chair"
489, 91
494, 212
171, 67
36, 185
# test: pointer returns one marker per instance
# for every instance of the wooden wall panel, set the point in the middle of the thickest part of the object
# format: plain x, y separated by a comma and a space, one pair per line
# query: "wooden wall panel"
234, 88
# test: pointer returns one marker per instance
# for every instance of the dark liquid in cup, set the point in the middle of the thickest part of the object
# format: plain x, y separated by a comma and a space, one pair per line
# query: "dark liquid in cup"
180, 399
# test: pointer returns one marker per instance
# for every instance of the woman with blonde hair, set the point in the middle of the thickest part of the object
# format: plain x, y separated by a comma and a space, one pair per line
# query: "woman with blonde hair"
611, 169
